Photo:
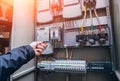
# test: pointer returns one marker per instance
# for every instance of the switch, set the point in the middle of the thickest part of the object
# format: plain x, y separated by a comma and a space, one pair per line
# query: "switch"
55, 33
91, 39
103, 36
81, 39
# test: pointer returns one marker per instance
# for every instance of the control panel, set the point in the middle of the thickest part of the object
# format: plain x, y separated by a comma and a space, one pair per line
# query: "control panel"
90, 28
77, 24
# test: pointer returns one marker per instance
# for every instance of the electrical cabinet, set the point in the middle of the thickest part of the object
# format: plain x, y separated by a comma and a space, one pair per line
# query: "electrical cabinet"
81, 36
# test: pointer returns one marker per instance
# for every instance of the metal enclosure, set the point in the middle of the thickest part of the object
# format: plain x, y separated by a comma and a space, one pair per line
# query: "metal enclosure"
116, 26
70, 27
21, 27
89, 53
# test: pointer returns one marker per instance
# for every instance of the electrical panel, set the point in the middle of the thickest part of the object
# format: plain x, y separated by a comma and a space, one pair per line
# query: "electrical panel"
76, 24
88, 31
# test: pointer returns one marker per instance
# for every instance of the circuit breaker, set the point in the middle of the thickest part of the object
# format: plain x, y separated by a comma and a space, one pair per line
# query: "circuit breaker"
80, 28
43, 35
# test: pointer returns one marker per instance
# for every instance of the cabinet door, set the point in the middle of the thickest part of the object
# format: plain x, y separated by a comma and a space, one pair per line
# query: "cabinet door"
23, 34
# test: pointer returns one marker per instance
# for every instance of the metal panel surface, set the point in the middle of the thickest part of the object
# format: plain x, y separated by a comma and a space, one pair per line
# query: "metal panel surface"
23, 30
116, 26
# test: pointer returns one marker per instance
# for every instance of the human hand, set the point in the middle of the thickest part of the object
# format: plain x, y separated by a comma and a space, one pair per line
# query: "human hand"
38, 47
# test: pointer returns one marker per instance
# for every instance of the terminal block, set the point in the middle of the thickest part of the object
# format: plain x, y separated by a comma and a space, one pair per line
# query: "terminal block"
75, 66
72, 66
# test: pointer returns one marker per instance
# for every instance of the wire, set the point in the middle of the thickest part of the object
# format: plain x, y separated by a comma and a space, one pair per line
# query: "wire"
76, 25
71, 54
67, 53
67, 57
91, 18
97, 18
95, 11
85, 14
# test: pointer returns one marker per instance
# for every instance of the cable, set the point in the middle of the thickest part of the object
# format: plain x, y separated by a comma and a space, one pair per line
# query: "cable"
67, 53
71, 53
91, 18
90, 11
94, 9
100, 27
85, 14
67, 57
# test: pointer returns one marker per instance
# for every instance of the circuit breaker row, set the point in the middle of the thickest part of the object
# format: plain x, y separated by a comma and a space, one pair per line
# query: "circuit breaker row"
76, 38
94, 37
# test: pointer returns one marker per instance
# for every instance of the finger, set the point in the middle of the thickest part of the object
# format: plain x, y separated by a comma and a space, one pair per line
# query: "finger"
44, 45
38, 44
38, 52
40, 47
